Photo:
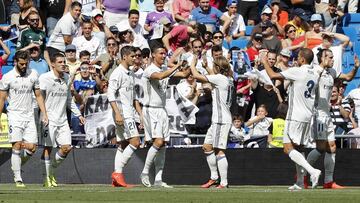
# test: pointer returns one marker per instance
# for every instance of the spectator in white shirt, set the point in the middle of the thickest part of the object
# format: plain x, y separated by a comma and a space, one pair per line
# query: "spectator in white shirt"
237, 25
64, 32
88, 42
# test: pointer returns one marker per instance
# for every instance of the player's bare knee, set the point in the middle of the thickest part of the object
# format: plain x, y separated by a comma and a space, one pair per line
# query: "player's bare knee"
287, 148
17, 145
135, 142
31, 147
331, 147
207, 148
159, 143
66, 149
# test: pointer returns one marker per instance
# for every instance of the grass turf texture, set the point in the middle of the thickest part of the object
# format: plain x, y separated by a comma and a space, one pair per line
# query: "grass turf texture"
105, 193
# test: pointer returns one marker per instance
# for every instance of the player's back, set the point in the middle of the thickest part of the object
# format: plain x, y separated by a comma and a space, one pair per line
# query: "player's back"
222, 98
303, 81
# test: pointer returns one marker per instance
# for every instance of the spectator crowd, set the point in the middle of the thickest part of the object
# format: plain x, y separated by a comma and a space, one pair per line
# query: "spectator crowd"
92, 33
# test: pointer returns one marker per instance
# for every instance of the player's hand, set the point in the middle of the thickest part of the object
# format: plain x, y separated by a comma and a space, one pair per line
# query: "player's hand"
356, 61
119, 119
141, 125
82, 120
45, 120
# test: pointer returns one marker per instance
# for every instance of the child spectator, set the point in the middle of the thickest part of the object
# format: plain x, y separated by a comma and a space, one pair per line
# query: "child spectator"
259, 124
275, 139
237, 133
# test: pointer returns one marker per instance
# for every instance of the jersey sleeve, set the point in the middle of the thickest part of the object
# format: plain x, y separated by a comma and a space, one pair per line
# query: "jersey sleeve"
215, 79
114, 85
149, 71
36, 80
292, 74
42, 83
4, 84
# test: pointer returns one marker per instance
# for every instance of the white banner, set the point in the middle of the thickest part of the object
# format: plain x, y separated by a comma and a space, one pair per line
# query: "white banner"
180, 110
99, 126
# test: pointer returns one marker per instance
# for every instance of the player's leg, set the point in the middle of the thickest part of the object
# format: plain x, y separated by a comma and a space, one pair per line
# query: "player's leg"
220, 144
16, 163
47, 165
210, 157
131, 137
329, 165
30, 138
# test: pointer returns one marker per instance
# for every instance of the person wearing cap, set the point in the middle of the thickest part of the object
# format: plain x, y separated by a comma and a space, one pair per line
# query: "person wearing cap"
100, 30
299, 20
65, 30
253, 50
237, 25
32, 36
249, 9
53, 11
313, 37
338, 50
182, 9
332, 16
209, 16
270, 42
37, 62
153, 18
265, 17
88, 42
71, 60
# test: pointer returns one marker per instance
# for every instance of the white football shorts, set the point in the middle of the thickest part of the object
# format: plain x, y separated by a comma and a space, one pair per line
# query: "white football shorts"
217, 135
127, 130
156, 123
23, 131
54, 136
297, 132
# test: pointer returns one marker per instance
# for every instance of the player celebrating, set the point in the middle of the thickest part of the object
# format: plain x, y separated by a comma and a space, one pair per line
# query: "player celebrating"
156, 121
121, 97
323, 128
216, 137
55, 88
303, 81
18, 86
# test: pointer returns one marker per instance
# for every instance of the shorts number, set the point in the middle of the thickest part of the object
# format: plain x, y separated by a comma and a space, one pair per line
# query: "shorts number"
155, 123
310, 85
131, 125
320, 127
46, 132
10, 129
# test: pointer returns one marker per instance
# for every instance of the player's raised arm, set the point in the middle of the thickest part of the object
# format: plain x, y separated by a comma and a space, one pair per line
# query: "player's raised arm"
196, 75
272, 74
350, 75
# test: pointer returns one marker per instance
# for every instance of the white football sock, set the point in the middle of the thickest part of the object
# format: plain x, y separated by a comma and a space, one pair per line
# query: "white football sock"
47, 164
300, 173
211, 160
124, 158
150, 158
313, 156
159, 163
16, 164
223, 169
329, 165
118, 154
59, 158
298, 158
25, 156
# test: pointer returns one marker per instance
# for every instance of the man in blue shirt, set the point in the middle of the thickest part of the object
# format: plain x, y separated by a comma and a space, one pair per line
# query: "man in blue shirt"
36, 62
210, 16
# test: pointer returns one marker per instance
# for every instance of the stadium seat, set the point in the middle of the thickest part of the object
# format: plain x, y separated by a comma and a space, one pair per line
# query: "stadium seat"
248, 30
353, 18
241, 43
6, 69
352, 85
226, 45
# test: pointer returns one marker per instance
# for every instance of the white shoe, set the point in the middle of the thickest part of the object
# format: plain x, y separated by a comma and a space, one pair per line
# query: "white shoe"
295, 187
315, 178
145, 179
159, 183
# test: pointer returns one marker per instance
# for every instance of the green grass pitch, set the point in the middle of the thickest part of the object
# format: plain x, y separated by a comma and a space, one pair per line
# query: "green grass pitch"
35, 193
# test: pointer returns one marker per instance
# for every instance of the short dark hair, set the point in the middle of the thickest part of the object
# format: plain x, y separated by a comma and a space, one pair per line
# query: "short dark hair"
84, 53
22, 55
126, 50
333, 2
55, 56
133, 11
307, 54
320, 53
217, 32
282, 110
156, 47
216, 48
74, 4
237, 117
145, 52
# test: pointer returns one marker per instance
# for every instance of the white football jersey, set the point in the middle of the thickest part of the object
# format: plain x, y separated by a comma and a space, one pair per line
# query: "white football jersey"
139, 85
326, 83
154, 90
57, 98
303, 81
223, 88
121, 90
20, 94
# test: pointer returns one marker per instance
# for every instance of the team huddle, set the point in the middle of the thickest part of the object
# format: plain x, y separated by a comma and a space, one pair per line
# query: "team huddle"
308, 118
